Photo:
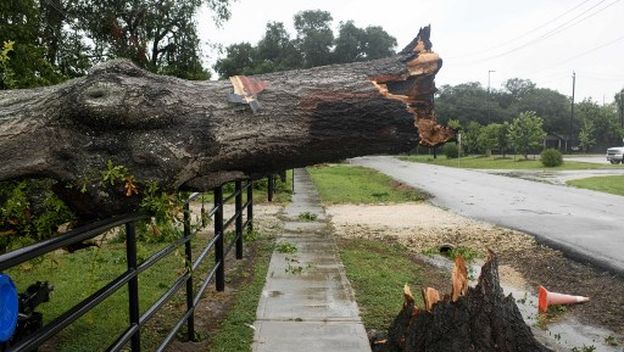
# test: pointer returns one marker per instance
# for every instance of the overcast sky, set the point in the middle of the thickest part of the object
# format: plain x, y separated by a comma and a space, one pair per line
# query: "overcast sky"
543, 40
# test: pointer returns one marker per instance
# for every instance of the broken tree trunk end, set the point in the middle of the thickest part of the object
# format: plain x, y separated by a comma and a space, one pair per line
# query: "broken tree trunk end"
195, 135
479, 319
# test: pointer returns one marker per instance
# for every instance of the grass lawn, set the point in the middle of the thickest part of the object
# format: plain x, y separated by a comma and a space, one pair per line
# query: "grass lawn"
508, 163
378, 271
75, 276
342, 183
234, 333
608, 184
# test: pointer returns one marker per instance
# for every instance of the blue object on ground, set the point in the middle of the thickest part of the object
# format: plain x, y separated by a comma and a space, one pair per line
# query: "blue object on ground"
9, 306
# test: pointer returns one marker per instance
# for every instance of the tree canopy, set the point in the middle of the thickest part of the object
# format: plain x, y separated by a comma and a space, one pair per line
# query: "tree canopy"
470, 102
59, 39
315, 44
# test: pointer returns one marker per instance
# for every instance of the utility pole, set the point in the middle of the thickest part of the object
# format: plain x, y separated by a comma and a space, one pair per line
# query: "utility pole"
572, 107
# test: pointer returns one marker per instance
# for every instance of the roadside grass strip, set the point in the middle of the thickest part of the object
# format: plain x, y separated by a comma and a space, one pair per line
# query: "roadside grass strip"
500, 163
341, 183
378, 271
608, 184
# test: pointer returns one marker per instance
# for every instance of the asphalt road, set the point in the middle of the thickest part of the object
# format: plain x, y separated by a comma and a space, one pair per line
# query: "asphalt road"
586, 225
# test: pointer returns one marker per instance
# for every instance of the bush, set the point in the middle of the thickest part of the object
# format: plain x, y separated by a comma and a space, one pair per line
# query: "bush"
450, 150
551, 157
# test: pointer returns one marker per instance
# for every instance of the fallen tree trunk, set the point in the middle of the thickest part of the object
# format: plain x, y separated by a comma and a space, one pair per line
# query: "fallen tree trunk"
479, 319
195, 135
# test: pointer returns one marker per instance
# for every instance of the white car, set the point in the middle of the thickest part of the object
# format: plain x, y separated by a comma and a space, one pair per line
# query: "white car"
615, 155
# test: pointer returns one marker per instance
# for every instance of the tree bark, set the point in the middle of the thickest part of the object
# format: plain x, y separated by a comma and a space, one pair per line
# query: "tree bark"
481, 320
187, 135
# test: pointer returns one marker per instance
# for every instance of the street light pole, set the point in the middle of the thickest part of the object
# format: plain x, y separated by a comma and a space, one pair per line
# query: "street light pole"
572, 111
489, 97
489, 73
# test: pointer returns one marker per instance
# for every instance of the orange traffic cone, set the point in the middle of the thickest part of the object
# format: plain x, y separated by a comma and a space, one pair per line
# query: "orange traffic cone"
546, 298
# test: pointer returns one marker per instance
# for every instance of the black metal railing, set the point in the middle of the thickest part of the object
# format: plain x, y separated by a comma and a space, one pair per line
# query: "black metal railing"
132, 333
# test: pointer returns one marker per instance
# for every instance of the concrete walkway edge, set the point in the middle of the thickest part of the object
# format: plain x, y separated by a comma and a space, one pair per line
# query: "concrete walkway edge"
307, 303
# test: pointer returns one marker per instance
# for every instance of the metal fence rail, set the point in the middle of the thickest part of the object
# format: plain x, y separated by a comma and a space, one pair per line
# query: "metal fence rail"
130, 277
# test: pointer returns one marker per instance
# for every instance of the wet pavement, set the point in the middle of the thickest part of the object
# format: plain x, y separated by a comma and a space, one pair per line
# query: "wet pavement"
307, 303
584, 224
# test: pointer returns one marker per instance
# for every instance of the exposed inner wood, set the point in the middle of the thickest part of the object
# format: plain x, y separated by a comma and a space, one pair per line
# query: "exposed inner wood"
469, 319
431, 296
459, 278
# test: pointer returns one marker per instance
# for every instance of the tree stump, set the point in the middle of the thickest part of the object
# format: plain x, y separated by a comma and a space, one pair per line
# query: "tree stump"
479, 319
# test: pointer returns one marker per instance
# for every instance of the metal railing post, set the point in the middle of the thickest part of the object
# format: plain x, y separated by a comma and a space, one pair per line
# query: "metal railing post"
270, 187
190, 323
218, 231
203, 212
133, 286
238, 188
250, 206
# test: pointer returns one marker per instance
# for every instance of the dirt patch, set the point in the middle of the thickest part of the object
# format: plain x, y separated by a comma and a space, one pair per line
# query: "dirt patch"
423, 227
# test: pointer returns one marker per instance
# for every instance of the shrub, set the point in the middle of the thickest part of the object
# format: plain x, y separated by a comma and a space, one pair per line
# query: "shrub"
450, 150
551, 157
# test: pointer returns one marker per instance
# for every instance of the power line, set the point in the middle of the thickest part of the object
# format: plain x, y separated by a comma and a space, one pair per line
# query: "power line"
591, 50
552, 32
507, 42
562, 27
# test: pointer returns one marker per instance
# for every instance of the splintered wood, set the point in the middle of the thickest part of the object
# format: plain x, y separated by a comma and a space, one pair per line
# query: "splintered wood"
468, 319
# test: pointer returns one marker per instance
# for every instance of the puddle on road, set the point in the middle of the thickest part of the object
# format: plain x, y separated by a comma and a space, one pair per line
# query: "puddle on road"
562, 335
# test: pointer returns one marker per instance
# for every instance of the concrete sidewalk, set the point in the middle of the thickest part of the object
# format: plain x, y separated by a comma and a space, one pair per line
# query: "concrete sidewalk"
307, 304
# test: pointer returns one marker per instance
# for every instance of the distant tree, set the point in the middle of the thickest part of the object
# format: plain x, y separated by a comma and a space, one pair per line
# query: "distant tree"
454, 124
378, 43
526, 133
276, 51
549, 104
604, 121
619, 103
470, 139
469, 102
356, 44
586, 136
349, 43
314, 37
502, 139
241, 59
518, 87
488, 137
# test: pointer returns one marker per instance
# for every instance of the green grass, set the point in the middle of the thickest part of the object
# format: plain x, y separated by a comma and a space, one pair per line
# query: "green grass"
508, 163
608, 184
378, 271
76, 276
235, 333
355, 184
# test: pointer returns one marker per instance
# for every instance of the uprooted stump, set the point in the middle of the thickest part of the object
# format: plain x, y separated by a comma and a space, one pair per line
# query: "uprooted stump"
469, 319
